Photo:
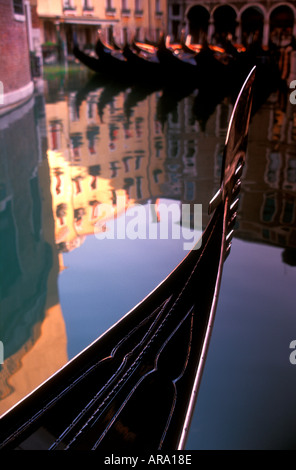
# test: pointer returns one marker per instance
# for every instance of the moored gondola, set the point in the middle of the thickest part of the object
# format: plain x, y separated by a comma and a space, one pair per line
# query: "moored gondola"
135, 387
177, 65
145, 64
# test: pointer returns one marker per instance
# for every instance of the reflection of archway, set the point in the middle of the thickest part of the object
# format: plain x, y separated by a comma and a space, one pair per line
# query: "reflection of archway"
281, 24
252, 23
198, 18
225, 22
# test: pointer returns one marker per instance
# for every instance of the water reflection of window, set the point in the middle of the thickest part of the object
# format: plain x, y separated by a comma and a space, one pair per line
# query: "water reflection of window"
92, 134
61, 212
126, 163
55, 132
291, 170
127, 131
94, 171
128, 183
189, 190
273, 167
158, 147
76, 140
90, 109
157, 127
139, 186
114, 169
59, 180
173, 168
288, 213
269, 208
138, 161
189, 157
173, 148
139, 126
156, 174
113, 132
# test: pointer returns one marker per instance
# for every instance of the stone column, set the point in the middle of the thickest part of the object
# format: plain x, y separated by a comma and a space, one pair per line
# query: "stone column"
265, 39
211, 30
238, 31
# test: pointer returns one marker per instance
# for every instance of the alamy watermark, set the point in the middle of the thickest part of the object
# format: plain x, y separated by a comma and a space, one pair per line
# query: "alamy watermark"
1, 353
166, 220
292, 356
1, 93
293, 94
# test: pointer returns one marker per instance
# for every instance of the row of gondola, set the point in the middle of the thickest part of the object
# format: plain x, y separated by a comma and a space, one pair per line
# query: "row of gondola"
182, 68
144, 62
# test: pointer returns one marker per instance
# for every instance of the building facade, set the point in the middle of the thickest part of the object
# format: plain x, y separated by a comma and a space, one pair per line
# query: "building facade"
244, 20
15, 73
121, 19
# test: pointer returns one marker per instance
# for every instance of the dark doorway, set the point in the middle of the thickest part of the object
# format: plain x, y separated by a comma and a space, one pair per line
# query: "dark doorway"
198, 18
252, 23
225, 23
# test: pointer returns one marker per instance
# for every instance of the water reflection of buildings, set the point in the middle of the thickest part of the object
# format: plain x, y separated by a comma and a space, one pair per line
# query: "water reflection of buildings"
268, 212
98, 151
268, 200
31, 324
194, 152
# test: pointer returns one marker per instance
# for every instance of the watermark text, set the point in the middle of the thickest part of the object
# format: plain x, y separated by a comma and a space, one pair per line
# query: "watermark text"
1, 353
293, 94
292, 356
164, 221
1, 93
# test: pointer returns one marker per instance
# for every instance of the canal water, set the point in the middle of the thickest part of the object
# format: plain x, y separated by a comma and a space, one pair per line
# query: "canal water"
69, 270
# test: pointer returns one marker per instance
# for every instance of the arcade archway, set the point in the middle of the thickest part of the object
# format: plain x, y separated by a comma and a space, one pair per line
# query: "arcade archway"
198, 19
281, 25
225, 23
252, 24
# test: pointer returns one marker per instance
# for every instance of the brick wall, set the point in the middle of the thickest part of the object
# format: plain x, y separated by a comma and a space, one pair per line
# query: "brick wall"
14, 52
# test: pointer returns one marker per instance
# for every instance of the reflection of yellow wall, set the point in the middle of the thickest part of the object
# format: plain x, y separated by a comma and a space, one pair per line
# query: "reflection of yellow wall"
95, 158
33, 364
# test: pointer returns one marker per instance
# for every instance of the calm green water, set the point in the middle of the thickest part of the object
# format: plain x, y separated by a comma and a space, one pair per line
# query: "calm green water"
82, 142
